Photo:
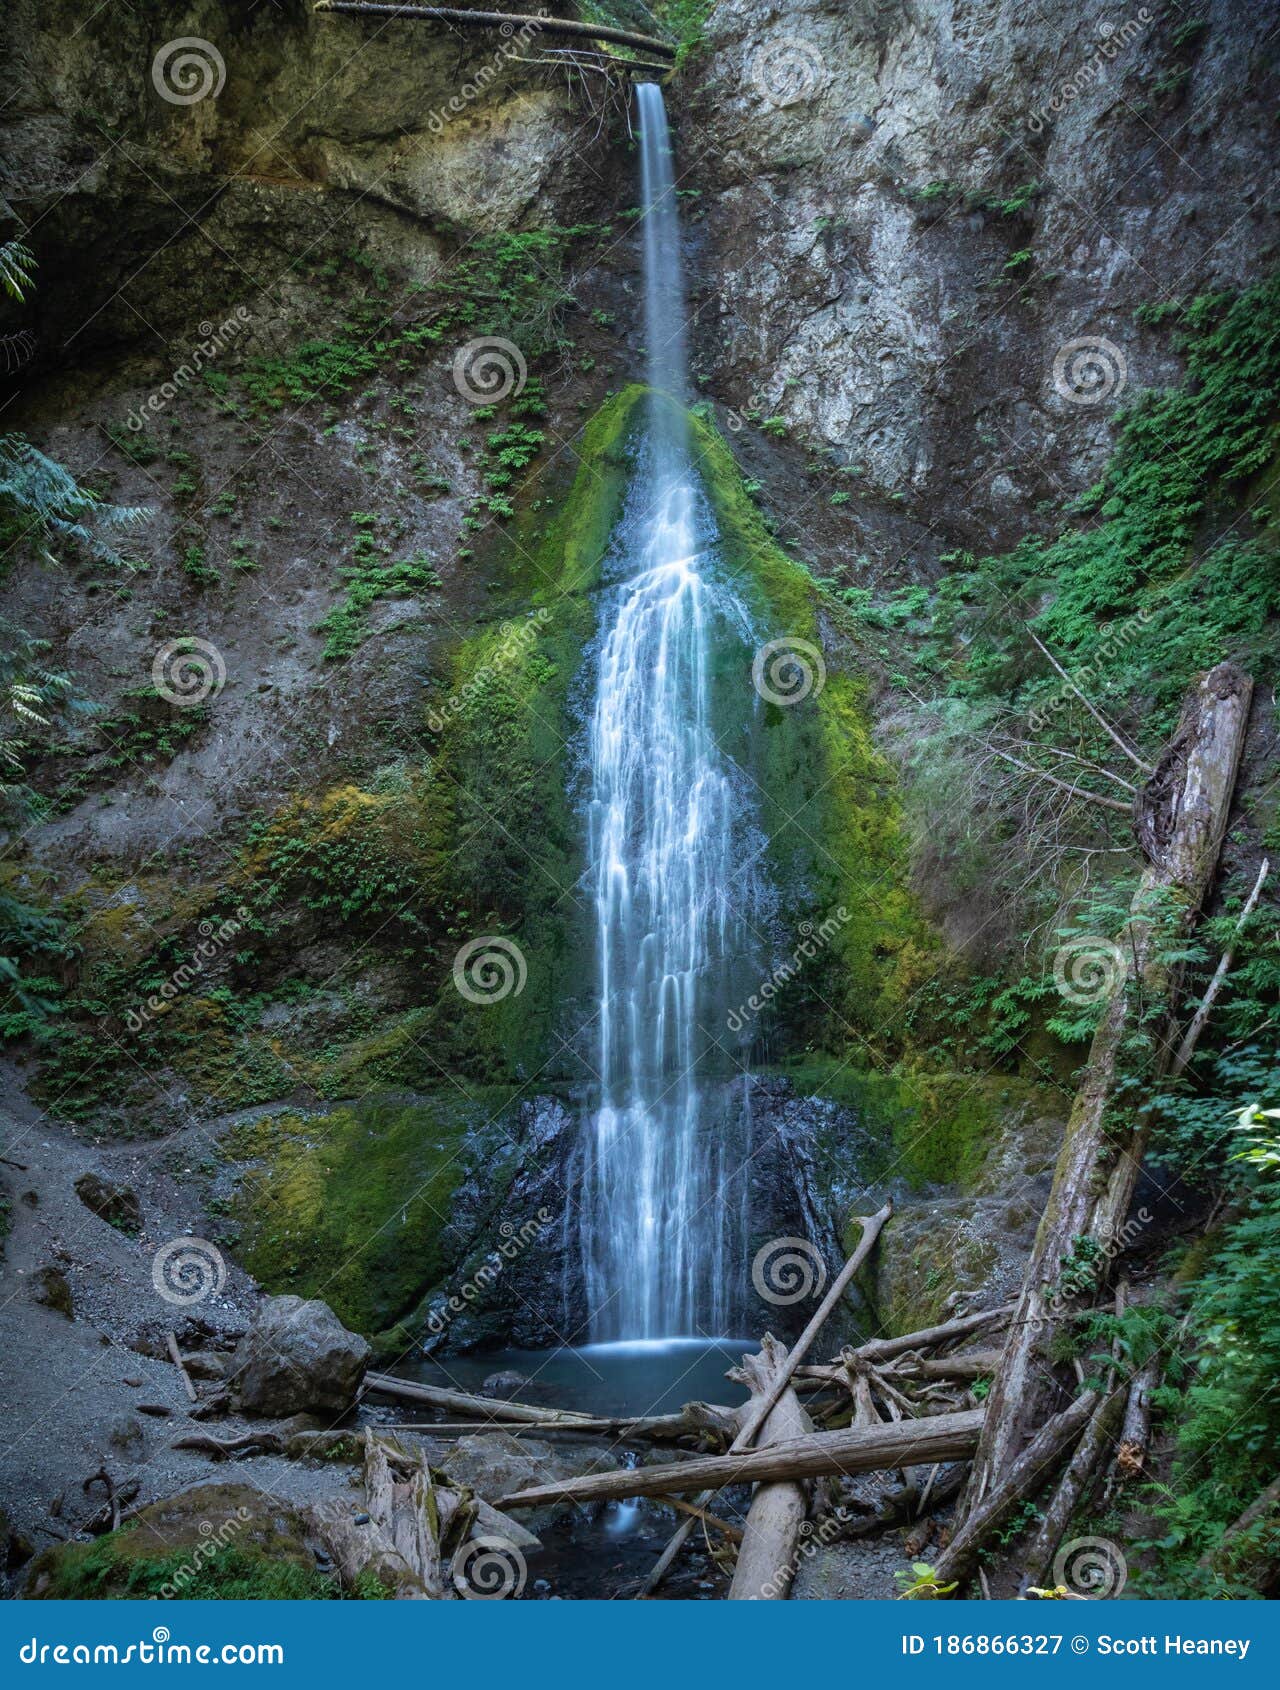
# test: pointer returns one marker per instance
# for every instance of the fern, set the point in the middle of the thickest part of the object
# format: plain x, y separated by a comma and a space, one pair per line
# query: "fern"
17, 267
47, 503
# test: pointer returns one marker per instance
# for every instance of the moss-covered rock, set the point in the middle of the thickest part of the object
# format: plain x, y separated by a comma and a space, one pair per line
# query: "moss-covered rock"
213, 1543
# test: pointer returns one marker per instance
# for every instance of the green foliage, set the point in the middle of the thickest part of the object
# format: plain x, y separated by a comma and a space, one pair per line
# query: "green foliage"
17, 268
370, 575
42, 502
107, 1568
353, 1206
1228, 1413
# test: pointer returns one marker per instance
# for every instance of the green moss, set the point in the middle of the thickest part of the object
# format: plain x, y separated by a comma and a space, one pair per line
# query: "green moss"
110, 1568
352, 1206
828, 798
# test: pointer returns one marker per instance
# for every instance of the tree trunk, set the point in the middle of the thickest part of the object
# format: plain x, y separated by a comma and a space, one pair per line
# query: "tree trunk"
461, 1402
1073, 1488
1021, 1480
512, 22
767, 1558
857, 1449
1181, 817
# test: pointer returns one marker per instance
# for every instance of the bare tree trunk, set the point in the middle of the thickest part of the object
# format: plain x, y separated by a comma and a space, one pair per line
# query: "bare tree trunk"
766, 1560
857, 1449
1181, 817
1249, 1553
1021, 1480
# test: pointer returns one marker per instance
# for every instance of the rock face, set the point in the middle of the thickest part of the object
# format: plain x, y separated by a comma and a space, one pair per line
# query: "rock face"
296, 1358
911, 212
116, 1204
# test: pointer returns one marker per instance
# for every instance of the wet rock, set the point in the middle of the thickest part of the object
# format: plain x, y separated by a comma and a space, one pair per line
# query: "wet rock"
49, 1286
269, 1536
207, 1364
118, 1205
125, 1435
493, 1464
506, 1384
297, 1357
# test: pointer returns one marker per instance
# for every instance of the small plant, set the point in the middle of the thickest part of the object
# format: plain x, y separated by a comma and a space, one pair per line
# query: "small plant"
920, 1583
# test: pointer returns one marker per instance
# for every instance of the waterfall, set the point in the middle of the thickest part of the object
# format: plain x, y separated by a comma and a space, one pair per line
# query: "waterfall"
662, 1212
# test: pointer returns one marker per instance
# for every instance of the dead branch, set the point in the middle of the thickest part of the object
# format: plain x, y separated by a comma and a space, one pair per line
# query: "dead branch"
510, 23
858, 1449
1191, 1038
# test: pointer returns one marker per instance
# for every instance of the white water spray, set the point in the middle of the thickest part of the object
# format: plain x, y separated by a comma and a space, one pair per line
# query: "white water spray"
662, 1214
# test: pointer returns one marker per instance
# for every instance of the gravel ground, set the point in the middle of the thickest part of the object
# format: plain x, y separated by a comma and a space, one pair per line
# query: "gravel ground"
72, 1391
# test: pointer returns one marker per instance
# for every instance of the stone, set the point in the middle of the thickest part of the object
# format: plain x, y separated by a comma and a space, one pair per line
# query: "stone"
505, 1384
297, 1357
125, 1434
207, 1364
118, 1205
49, 1286
493, 1464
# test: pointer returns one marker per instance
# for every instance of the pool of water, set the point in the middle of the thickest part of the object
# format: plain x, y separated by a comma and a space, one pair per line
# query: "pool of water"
654, 1376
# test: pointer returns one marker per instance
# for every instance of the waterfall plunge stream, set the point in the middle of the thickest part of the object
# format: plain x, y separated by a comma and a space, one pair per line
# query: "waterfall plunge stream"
663, 1205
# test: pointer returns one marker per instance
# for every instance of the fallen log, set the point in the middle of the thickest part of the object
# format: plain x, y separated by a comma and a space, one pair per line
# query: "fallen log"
511, 23
1248, 1553
1135, 1429
660, 1428
1180, 818
1023, 1480
1191, 1038
766, 1560
969, 1364
1073, 1488
365, 1548
175, 1355
757, 1412
930, 1337
856, 1449
461, 1402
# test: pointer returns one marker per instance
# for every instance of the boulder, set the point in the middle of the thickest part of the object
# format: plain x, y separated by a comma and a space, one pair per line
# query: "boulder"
495, 1464
297, 1358
49, 1286
116, 1204
505, 1384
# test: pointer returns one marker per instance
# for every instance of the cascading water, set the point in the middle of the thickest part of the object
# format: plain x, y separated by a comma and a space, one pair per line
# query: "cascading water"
663, 1215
